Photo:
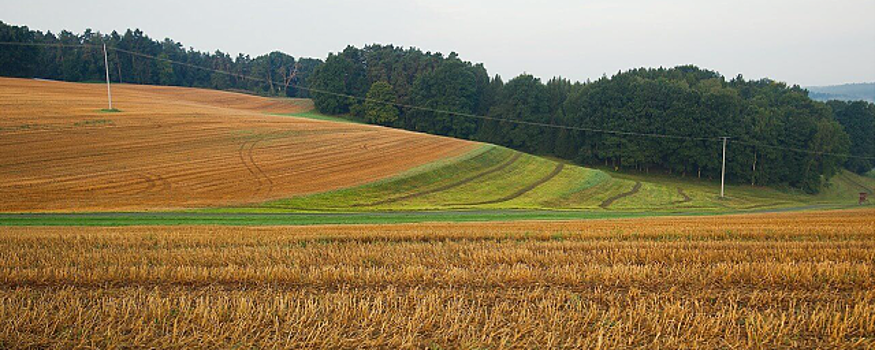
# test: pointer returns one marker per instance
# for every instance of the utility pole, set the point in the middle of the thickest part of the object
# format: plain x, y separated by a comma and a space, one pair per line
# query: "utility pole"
106, 63
723, 173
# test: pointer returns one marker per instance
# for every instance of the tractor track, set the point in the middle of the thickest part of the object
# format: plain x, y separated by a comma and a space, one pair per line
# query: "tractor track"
523, 191
607, 203
258, 168
501, 167
852, 181
682, 194
264, 182
151, 185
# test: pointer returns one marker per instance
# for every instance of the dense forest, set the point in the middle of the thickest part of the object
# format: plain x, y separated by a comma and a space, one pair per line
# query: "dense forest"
71, 57
763, 118
692, 106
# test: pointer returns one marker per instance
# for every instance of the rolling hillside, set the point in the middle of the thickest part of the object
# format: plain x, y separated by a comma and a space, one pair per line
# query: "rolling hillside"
173, 148
180, 148
494, 177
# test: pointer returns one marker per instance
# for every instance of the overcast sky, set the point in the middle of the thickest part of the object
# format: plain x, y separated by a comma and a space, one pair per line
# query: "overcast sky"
806, 42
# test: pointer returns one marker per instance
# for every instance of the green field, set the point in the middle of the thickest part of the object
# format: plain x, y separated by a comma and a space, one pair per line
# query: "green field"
497, 178
285, 219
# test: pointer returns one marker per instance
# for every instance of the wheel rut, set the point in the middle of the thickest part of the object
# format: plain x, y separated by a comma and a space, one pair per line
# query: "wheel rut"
856, 183
684, 195
607, 203
150, 184
446, 187
155, 184
264, 183
258, 168
523, 191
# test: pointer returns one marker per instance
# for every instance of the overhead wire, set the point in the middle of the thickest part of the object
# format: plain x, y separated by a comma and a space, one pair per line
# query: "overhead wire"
440, 111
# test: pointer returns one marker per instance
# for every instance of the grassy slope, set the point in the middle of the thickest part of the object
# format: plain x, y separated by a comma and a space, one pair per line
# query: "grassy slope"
490, 173
438, 192
841, 190
493, 174
313, 114
445, 185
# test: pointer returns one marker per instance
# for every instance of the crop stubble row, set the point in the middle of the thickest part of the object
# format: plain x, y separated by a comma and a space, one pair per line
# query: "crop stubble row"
753, 281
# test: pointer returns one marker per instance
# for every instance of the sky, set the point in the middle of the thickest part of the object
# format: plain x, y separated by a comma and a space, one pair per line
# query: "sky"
803, 42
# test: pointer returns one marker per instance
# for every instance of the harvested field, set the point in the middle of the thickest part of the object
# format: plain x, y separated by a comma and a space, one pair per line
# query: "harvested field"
174, 148
790, 280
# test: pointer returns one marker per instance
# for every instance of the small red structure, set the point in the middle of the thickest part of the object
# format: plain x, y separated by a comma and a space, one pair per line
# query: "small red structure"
863, 197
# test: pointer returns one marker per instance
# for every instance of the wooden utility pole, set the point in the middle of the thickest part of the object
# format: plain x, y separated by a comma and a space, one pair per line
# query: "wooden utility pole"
723, 173
106, 63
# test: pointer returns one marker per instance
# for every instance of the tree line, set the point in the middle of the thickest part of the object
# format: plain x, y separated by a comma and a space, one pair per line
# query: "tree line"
79, 57
762, 117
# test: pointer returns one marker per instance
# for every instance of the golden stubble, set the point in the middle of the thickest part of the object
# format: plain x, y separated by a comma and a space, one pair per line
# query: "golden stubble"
790, 280
172, 148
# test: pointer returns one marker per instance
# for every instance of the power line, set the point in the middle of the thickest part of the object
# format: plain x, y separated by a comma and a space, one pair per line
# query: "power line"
433, 110
426, 109
802, 150
365, 99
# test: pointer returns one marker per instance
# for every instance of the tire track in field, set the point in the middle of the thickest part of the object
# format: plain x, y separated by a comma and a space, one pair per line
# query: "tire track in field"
523, 190
258, 168
607, 203
852, 181
120, 187
245, 153
683, 194
265, 182
155, 185
501, 167
149, 180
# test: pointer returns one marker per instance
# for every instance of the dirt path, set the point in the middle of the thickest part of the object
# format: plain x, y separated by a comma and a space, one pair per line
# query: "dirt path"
523, 191
607, 203
501, 167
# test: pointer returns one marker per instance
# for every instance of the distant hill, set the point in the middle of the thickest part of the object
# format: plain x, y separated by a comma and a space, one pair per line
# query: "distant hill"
845, 92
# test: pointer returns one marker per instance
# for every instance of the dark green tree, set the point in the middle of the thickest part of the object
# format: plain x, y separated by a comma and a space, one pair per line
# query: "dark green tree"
452, 87
379, 108
17, 61
522, 98
858, 120
71, 57
341, 76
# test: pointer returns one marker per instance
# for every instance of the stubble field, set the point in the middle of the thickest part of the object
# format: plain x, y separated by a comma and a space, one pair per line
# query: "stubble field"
790, 280
172, 148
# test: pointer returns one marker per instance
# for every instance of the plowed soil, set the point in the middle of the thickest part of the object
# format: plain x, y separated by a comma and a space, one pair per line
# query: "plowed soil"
172, 148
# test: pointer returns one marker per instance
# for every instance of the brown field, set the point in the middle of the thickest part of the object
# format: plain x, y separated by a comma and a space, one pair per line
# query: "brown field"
181, 148
790, 280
